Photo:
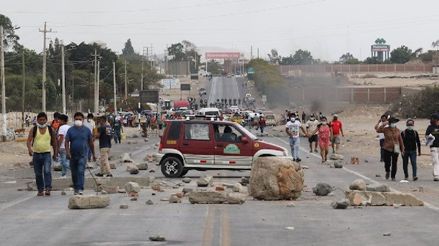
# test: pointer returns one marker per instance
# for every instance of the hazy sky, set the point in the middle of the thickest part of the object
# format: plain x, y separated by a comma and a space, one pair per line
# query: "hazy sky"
328, 28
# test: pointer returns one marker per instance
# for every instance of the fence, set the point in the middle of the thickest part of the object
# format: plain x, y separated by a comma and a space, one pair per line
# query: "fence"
288, 70
360, 95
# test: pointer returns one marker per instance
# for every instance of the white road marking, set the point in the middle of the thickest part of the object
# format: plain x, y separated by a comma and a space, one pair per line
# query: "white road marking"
426, 204
17, 201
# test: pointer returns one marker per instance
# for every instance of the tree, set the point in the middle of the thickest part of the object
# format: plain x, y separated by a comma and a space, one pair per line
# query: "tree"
274, 57
9, 30
128, 50
348, 58
435, 44
400, 55
301, 57
176, 51
380, 41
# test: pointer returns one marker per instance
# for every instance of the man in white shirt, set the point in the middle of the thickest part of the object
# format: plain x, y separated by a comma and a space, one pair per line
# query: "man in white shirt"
293, 128
311, 126
90, 124
62, 132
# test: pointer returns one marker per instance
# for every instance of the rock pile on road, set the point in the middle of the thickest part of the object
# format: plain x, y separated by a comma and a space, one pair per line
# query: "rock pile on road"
276, 178
88, 202
205, 181
322, 189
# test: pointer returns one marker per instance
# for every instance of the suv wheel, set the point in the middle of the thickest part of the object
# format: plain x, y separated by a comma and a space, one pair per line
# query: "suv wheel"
172, 167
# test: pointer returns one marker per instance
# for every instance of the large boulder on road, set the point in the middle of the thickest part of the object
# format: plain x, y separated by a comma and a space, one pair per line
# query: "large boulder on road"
276, 178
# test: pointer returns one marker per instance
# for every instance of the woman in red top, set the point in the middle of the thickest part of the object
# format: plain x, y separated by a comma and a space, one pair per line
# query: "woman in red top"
324, 133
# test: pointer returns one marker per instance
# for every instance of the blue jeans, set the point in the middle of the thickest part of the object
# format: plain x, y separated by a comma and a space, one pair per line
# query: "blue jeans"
42, 168
405, 162
295, 144
77, 166
65, 165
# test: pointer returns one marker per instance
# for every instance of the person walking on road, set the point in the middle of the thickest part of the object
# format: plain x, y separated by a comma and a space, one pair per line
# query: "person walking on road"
432, 135
62, 132
324, 133
55, 122
104, 134
91, 125
293, 128
311, 127
303, 117
381, 136
78, 140
393, 145
410, 138
336, 132
39, 142
262, 124
117, 130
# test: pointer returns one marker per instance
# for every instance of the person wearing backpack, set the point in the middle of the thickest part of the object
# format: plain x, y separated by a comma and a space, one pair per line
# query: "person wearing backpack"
104, 134
410, 138
39, 142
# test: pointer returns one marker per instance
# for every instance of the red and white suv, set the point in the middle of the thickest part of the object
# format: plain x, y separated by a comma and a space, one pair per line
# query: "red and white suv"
210, 145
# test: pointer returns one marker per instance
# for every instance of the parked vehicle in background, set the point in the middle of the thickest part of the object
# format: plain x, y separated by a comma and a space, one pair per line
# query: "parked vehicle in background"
209, 112
270, 118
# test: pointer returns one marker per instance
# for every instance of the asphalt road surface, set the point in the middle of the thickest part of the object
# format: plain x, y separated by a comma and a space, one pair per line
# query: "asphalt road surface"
224, 88
29, 220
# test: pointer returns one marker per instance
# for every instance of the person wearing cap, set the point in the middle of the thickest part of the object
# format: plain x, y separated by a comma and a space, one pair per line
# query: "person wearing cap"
381, 135
393, 145
433, 133
311, 127
336, 131
293, 128
410, 138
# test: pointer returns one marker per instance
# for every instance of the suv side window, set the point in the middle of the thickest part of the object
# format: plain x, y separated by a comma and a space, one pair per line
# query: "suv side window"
196, 132
226, 133
174, 131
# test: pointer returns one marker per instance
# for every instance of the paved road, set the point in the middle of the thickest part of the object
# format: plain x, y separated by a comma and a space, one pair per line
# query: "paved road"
30, 220
224, 88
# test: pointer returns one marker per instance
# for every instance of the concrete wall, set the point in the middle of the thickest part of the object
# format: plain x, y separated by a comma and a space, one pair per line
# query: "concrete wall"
288, 70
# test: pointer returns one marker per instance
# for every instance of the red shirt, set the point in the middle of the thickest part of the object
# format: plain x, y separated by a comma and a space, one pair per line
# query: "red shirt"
336, 125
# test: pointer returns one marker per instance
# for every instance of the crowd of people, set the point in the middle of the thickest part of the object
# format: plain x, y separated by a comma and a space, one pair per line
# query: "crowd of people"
72, 146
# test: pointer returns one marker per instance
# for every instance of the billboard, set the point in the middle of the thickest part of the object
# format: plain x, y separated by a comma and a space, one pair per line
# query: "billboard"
380, 47
223, 55
149, 96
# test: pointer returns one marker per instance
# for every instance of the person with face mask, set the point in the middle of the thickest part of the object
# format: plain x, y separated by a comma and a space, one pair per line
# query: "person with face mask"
41, 138
324, 138
336, 130
78, 140
293, 128
393, 145
410, 138
381, 135
311, 127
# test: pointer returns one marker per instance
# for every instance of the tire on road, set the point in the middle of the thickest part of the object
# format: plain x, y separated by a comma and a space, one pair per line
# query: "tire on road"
172, 167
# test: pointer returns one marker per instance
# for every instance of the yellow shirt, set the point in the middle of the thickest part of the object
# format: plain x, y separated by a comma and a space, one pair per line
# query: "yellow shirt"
42, 142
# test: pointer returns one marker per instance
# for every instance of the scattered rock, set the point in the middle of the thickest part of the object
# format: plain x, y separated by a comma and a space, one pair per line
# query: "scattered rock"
88, 202
156, 187
132, 187
132, 168
205, 181
123, 206
133, 199
142, 166
63, 193
235, 198
305, 167
372, 198
276, 178
291, 205
151, 171
219, 188
378, 188
174, 199
358, 184
104, 192
157, 238
30, 186
110, 189
322, 189
126, 158
187, 190
121, 191
149, 202
245, 181
112, 165
57, 168
343, 204
421, 189
387, 234
336, 157
238, 188
207, 197
186, 180
396, 205
179, 194
377, 175
164, 199
338, 164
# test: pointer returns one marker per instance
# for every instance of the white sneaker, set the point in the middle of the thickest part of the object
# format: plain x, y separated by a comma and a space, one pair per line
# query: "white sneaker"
63, 177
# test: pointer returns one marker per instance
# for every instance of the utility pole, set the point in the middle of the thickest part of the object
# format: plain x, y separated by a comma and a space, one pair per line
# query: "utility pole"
251, 52
44, 31
258, 53
97, 84
114, 87
126, 81
63, 80
23, 88
96, 97
2, 70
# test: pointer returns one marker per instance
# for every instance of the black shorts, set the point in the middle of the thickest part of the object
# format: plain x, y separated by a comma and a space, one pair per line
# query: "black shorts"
313, 138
